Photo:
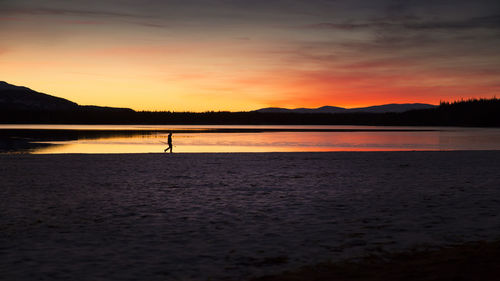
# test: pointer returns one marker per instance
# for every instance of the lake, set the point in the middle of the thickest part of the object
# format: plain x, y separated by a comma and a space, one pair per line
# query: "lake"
49, 139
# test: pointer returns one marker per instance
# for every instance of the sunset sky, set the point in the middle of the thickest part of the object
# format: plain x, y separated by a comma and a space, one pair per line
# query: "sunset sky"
199, 55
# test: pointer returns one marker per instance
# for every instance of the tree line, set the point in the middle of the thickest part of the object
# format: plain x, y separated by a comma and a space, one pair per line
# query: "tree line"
472, 112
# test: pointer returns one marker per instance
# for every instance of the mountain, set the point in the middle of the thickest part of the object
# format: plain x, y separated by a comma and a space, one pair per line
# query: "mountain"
393, 107
22, 98
17, 98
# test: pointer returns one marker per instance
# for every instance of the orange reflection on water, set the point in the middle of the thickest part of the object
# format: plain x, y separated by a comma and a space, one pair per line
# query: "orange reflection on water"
251, 142
269, 141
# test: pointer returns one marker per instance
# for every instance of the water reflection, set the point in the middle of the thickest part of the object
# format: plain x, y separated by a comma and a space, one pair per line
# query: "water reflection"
151, 139
33, 140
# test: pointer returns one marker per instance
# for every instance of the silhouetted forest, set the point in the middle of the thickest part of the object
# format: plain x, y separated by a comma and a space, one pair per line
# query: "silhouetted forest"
473, 112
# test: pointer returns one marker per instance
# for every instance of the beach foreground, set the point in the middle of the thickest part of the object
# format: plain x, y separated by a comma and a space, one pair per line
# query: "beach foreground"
471, 261
235, 216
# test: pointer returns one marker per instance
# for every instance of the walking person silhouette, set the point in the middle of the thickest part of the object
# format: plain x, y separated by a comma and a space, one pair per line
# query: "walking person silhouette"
169, 142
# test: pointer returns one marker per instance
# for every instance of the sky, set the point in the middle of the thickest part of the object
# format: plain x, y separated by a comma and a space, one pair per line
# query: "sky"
235, 55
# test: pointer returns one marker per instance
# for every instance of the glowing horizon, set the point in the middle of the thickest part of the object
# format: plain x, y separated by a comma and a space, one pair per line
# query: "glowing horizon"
239, 56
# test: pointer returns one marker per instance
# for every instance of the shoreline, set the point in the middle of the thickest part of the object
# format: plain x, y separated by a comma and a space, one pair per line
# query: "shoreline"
238, 153
24, 153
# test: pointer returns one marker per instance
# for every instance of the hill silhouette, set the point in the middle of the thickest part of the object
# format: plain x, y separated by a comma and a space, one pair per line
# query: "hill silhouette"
20, 105
22, 98
18, 99
394, 107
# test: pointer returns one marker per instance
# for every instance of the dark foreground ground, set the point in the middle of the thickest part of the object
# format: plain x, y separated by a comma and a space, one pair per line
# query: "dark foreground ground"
471, 261
237, 216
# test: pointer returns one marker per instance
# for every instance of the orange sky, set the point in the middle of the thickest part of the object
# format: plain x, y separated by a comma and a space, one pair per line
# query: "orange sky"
190, 56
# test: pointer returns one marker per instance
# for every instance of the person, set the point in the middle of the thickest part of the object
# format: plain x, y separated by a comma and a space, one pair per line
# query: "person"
169, 142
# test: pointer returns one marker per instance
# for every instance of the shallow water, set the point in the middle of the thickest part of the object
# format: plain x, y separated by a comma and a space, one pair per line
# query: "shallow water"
48, 139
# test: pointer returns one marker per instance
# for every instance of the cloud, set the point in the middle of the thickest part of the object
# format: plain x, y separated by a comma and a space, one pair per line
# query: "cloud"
68, 12
83, 17
413, 23
488, 22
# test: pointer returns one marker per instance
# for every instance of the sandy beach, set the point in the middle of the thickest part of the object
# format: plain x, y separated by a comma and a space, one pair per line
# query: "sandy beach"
235, 216
465, 262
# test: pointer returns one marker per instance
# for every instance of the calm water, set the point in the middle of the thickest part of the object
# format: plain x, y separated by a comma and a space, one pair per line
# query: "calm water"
46, 139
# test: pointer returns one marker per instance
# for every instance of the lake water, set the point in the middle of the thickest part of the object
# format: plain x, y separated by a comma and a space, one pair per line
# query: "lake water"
48, 139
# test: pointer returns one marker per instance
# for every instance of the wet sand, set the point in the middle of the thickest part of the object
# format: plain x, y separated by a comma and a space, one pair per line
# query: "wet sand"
235, 216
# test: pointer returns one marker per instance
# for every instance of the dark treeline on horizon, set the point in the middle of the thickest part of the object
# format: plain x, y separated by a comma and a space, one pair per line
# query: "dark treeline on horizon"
474, 112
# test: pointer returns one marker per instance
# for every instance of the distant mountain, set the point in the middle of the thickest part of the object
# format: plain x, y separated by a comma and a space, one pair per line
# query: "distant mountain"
17, 98
393, 107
